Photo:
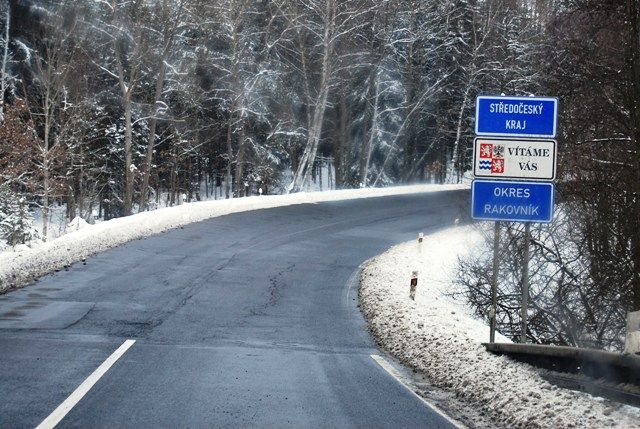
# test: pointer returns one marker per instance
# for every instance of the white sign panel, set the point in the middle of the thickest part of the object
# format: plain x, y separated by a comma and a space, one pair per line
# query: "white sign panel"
514, 159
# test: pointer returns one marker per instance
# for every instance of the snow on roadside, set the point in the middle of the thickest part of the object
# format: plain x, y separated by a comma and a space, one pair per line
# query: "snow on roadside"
440, 338
20, 268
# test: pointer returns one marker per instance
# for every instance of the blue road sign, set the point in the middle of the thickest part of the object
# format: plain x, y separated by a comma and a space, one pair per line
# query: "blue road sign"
516, 116
501, 200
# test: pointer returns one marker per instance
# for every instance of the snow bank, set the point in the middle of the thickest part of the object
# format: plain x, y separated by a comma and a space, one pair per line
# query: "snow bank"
20, 268
76, 224
440, 338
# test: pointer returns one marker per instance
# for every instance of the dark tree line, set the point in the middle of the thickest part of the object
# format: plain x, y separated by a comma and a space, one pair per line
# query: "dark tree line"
127, 105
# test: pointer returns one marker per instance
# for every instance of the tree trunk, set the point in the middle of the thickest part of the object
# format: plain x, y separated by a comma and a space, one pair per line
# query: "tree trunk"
314, 139
239, 179
368, 147
146, 168
71, 200
128, 143
341, 156
303, 173
410, 149
206, 184
227, 183
173, 179
45, 204
634, 45
456, 144
79, 197
45, 166
189, 180
126, 89
5, 59
162, 71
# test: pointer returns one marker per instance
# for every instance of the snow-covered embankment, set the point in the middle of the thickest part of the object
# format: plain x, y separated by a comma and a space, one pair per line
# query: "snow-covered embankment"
440, 338
20, 268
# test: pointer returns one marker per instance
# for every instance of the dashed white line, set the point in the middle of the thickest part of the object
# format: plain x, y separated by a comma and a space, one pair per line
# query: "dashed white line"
58, 414
400, 379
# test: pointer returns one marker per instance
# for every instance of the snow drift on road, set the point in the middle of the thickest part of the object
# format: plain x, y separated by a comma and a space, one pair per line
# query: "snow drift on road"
20, 268
440, 338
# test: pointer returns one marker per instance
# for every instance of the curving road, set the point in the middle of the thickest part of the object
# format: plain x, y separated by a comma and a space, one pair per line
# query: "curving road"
246, 320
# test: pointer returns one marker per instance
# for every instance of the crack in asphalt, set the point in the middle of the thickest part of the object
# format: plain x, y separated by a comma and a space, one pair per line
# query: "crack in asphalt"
273, 292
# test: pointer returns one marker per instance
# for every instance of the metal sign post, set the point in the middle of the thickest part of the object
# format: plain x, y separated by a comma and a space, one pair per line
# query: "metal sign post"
525, 284
494, 281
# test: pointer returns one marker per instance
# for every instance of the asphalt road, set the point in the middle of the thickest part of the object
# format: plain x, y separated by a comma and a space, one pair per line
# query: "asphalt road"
246, 320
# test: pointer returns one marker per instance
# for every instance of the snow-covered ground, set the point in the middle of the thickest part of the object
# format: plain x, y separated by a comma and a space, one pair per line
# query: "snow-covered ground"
20, 267
440, 337
59, 223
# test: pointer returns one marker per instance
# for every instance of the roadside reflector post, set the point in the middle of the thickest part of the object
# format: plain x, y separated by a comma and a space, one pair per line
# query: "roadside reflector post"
525, 284
413, 285
493, 312
420, 241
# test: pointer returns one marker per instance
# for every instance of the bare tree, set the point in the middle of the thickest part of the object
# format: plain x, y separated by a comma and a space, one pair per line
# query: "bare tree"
124, 31
327, 22
170, 20
5, 59
422, 40
52, 65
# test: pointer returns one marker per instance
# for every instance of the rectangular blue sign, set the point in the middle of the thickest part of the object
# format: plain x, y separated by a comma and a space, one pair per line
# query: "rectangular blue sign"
501, 200
516, 116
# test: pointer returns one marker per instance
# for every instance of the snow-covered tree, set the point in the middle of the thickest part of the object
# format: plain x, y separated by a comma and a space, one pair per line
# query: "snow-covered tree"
169, 21
16, 221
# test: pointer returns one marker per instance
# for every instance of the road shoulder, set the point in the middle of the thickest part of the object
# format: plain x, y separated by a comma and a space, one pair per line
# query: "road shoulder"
440, 340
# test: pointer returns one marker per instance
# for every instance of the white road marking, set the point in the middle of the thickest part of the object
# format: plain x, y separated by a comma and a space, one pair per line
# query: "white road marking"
58, 414
401, 379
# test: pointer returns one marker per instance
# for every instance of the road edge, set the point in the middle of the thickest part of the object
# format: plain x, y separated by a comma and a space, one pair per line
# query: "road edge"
18, 269
506, 393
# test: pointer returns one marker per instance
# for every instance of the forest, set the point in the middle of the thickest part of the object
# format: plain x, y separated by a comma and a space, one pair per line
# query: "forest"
111, 107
